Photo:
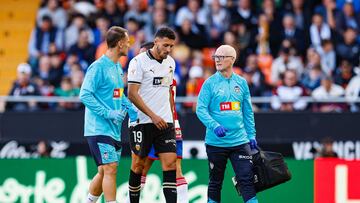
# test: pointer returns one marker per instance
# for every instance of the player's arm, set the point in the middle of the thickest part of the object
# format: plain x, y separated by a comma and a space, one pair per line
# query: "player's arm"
88, 88
202, 107
248, 113
134, 97
172, 102
129, 108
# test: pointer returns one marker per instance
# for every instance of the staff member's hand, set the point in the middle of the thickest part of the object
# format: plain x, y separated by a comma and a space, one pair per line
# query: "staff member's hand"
220, 131
159, 122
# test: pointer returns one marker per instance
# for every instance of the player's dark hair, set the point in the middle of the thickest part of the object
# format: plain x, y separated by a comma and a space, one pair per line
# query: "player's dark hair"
165, 32
114, 35
147, 45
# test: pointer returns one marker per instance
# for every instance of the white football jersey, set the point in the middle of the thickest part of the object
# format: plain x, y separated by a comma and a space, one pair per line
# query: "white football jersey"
155, 79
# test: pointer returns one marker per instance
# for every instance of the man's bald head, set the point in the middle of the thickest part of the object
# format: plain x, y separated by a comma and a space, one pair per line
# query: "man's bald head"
226, 50
224, 57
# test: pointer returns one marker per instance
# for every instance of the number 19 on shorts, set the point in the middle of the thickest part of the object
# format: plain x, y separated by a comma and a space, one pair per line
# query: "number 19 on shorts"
137, 136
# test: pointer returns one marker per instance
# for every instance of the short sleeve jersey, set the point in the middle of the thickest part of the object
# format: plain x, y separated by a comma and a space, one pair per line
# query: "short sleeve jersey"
155, 79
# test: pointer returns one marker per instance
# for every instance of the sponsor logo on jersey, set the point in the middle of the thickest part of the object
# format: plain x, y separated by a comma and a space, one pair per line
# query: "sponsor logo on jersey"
118, 92
162, 81
229, 106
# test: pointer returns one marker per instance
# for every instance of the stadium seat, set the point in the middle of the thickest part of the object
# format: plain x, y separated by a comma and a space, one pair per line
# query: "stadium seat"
17, 19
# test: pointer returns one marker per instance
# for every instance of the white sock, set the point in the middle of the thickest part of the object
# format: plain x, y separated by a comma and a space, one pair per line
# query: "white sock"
143, 180
91, 198
111, 202
182, 190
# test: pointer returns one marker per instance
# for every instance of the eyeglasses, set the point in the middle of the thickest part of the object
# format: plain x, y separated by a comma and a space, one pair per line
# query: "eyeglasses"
219, 57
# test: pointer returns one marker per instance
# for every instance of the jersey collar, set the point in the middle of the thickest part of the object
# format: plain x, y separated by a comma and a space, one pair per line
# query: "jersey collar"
148, 53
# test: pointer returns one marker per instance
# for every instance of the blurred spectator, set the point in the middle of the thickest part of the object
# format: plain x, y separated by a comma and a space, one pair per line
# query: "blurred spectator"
285, 62
83, 7
217, 22
159, 19
319, 30
44, 68
344, 73
328, 57
242, 13
295, 35
191, 38
67, 90
327, 10
102, 25
353, 91
349, 48
194, 84
356, 4
44, 39
56, 70
137, 12
347, 19
328, 90
77, 77
273, 18
327, 150
193, 13
311, 78
23, 87
287, 97
254, 77
44, 87
55, 12
72, 32
113, 13
43, 149
302, 14
84, 50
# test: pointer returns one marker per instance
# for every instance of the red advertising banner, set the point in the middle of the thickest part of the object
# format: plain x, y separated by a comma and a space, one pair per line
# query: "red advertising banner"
336, 181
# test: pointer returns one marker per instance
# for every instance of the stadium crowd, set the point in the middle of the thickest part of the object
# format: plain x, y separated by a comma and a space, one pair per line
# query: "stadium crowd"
286, 48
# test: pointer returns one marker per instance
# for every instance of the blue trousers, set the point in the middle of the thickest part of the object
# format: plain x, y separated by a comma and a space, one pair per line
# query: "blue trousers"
241, 162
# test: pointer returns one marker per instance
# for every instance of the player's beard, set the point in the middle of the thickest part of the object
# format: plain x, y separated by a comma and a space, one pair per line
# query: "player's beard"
158, 51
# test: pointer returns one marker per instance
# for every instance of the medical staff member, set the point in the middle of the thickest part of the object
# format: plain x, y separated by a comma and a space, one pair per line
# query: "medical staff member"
224, 107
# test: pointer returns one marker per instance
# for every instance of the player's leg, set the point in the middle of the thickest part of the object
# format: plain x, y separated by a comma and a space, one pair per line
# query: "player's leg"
148, 163
106, 152
181, 184
217, 157
109, 181
241, 161
165, 146
95, 188
140, 144
147, 166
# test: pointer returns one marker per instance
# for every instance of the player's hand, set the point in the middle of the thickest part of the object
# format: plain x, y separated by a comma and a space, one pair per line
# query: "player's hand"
220, 131
253, 144
159, 122
116, 115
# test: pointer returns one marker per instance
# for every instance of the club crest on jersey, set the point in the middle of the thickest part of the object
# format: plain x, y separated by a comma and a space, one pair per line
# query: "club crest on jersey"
118, 92
137, 147
229, 106
237, 89
171, 69
106, 155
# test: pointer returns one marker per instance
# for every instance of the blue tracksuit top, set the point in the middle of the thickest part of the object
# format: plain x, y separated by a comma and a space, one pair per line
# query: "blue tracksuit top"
102, 91
226, 101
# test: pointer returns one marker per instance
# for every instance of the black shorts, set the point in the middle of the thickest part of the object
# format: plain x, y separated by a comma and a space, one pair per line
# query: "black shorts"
143, 136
